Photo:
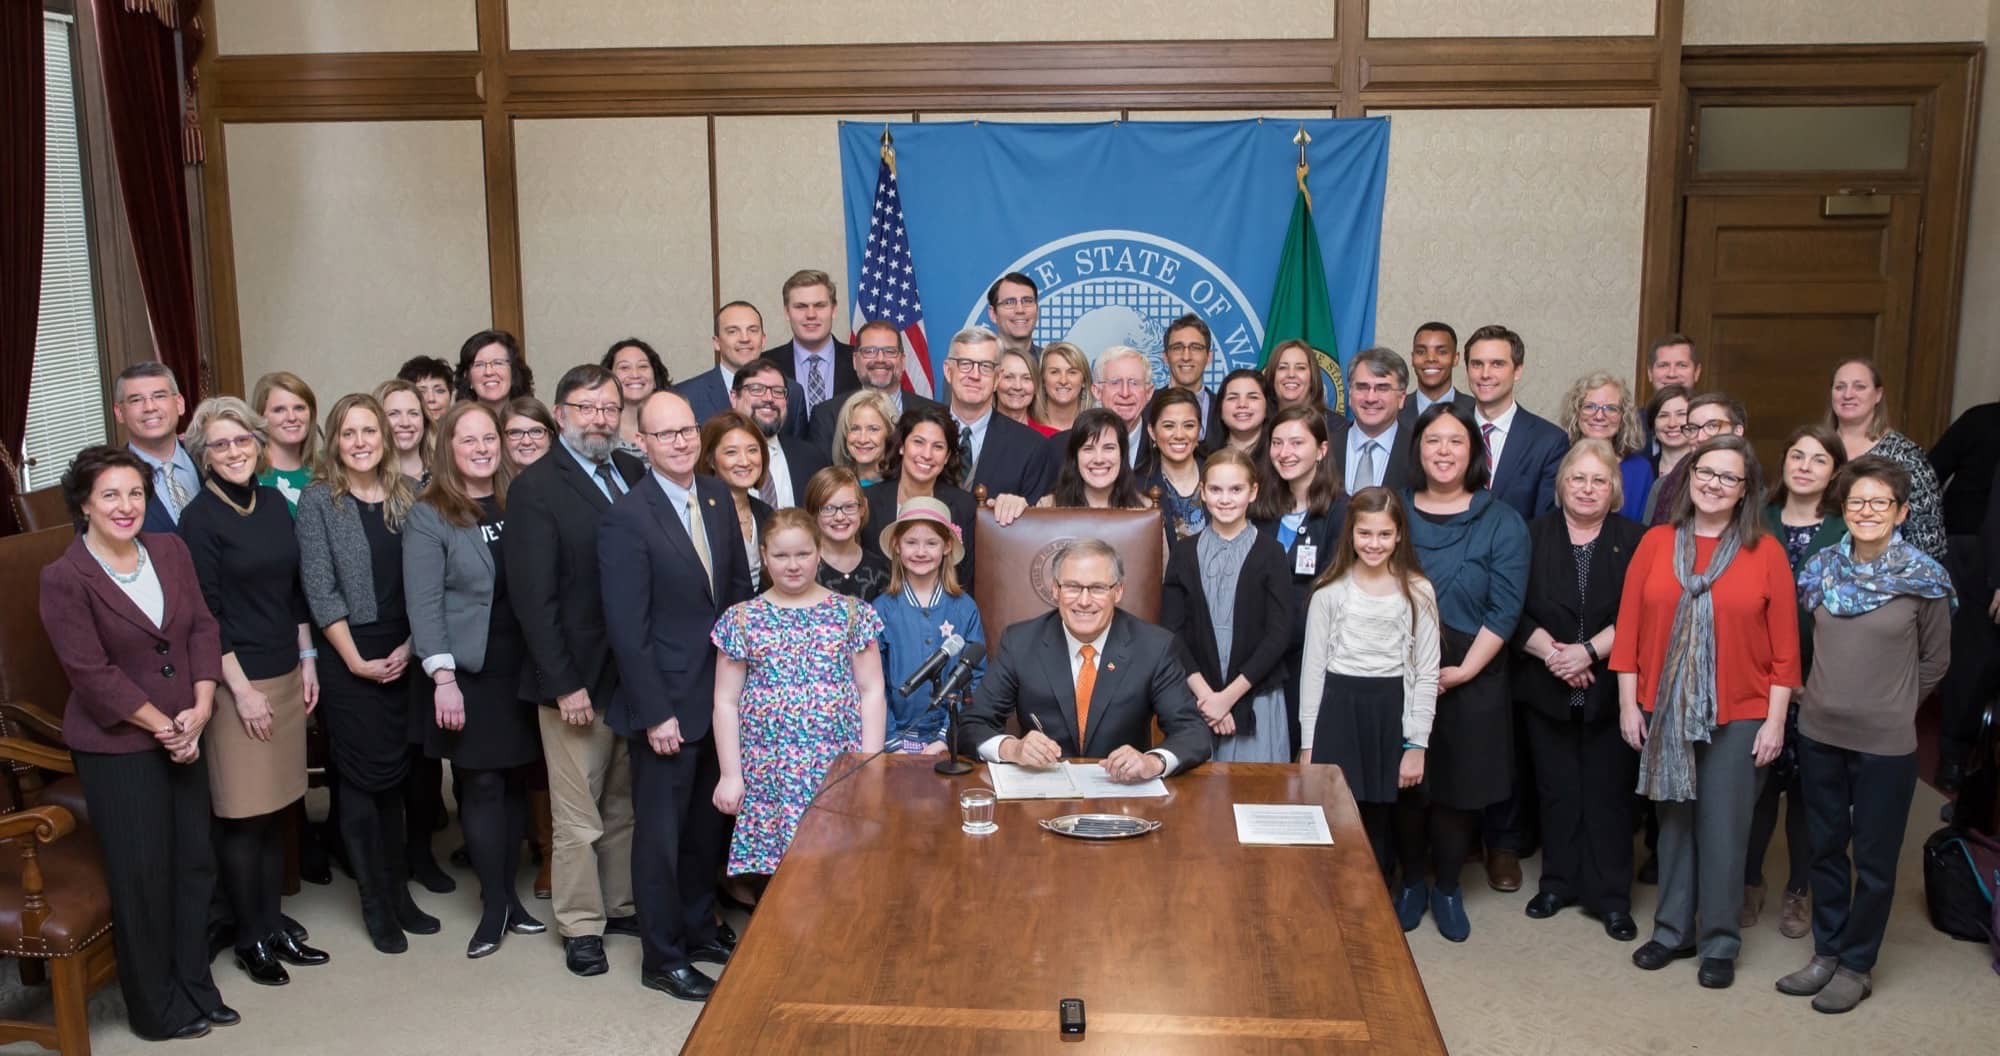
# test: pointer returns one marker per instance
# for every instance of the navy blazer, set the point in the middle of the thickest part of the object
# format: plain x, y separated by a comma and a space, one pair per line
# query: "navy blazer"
659, 604
1260, 626
1139, 679
802, 460
157, 517
1525, 477
708, 394
844, 377
1395, 472
1013, 460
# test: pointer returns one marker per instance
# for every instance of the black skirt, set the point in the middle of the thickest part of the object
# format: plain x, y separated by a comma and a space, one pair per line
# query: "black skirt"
365, 721
1360, 730
501, 730
1470, 763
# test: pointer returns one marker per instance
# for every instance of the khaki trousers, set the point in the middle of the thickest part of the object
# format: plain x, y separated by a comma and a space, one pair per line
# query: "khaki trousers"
590, 808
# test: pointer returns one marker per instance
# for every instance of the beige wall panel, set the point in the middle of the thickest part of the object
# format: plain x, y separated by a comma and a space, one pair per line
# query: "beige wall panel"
1832, 21
777, 198
358, 245
614, 238
1511, 18
1529, 218
274, 27
658, 23
1978, 378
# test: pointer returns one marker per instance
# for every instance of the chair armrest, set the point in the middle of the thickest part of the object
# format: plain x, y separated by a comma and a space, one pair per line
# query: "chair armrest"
37, 754
46, 824
34, 717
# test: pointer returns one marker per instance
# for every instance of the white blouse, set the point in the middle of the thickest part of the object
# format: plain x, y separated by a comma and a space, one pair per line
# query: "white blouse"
145, 592
1352, 632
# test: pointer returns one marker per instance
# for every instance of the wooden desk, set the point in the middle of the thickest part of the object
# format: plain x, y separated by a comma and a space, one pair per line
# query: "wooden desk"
887, 929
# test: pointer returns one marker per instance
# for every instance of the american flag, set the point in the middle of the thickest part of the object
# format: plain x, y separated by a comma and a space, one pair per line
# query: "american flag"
888, 285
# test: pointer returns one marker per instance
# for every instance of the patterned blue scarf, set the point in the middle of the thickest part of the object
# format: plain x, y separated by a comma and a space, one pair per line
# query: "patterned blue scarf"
1847, 587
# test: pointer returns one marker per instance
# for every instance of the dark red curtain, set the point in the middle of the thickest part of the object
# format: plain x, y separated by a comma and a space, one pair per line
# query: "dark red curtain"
142, 87
23, 164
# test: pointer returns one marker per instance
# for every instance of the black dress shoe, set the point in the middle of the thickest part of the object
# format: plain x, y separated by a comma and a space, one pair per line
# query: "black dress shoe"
688, 984
1654, 956
1619, 925
584, 955
711, 952
291, 950
293, 928
222, 1016
1717, 972
261, 965
479, 947
625, 925
196, 1029
1546, 905
520, 923
411, 917
424, 870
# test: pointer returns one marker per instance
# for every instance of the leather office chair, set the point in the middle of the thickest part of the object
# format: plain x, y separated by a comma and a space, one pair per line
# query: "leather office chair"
33, 687
1021, 584
33, 510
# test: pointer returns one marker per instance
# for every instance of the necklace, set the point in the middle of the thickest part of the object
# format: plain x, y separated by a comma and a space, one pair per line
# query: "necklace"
240, 509
117, 576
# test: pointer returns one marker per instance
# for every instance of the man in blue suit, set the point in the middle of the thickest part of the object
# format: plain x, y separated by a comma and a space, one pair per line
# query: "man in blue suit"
147, 402
670, 562
1523, 449
739, 338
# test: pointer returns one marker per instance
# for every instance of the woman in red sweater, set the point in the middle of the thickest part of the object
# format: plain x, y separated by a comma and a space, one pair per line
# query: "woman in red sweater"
1709, 648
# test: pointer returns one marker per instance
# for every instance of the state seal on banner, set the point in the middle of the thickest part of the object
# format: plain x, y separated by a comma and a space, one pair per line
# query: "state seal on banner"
1104, 288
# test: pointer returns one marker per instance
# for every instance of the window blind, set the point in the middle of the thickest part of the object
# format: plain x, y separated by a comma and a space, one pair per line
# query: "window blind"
66, 401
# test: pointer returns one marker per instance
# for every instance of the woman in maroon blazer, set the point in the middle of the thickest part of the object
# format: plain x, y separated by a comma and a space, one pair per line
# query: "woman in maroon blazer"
125, 615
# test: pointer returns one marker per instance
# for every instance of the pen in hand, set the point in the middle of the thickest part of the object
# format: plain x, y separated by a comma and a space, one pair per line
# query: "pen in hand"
1044, 731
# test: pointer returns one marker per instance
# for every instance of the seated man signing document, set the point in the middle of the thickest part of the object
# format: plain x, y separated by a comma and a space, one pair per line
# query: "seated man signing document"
1087, 679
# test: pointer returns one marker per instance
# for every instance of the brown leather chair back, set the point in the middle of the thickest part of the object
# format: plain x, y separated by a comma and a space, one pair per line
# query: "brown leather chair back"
1016, 578
28, 668
41, 508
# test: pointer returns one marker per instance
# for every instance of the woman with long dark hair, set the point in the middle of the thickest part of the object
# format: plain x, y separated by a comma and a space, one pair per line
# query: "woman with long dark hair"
1301, 504
923, 462
1172, 462
640, 373
1096, 471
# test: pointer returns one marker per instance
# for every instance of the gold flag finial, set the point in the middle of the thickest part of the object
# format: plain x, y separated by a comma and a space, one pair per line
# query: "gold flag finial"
1302, 138
888, 148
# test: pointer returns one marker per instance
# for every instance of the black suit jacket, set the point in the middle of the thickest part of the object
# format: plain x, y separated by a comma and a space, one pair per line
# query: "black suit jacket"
802, 460
659, 605
1395, 472
1551, 604
844, 378
1525, 476
1324, 534
1139, 678
1260, 623
1462, 400
881, 500
550, 546
157, 518
1013, 460
826, 414
708, 394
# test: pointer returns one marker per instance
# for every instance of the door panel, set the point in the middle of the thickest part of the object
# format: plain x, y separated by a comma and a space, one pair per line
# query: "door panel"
1775, 294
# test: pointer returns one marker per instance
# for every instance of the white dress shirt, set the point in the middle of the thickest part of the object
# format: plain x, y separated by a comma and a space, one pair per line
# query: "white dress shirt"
780, 472
1357, 441
1424, 402
978, 427
1501, 426
989, 749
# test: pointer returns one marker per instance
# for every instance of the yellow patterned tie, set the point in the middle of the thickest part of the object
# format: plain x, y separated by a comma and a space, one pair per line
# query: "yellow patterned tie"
700, 537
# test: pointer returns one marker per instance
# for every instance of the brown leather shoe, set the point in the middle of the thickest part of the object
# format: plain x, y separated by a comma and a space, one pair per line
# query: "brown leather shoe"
1503, 870
1753, 906
1795, 920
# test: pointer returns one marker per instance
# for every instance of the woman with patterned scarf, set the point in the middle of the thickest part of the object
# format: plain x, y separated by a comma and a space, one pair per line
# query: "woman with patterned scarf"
1881, 613
1708, 644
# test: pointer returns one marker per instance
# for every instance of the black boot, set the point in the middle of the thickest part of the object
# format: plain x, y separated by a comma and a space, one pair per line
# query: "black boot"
409, 915
378, 912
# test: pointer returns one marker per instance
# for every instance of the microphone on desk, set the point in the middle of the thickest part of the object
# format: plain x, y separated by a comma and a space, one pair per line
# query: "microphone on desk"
933, 664
961, 672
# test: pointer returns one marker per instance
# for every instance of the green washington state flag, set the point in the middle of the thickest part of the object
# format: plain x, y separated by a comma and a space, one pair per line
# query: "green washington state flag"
1300, 307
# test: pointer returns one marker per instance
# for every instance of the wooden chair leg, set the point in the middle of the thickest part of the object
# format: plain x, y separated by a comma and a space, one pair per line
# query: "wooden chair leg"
34, 971
70, 988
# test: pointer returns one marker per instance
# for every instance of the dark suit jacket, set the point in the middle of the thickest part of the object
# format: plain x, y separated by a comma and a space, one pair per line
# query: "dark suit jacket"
659, 605
550, 546
1013, 460
1525, 477
802, 460
1408, 415
819, 429
1551, 604
1322, 532
1260, 623
157, 517
115, 657
1395, 474
708, 394
844, 377
1139, 678
881, 500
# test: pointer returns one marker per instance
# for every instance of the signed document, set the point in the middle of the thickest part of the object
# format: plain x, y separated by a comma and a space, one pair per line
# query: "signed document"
1065, 781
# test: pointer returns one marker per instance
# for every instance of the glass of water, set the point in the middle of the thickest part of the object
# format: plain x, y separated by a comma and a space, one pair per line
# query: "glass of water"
976, 807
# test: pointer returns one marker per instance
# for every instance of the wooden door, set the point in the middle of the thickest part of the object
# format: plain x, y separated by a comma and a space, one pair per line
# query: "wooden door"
1775, 294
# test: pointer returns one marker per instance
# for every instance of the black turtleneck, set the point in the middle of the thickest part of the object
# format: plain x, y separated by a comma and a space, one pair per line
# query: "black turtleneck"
248, 565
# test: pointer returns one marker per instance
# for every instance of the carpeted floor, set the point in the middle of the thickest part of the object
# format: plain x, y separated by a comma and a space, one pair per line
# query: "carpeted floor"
1519, 986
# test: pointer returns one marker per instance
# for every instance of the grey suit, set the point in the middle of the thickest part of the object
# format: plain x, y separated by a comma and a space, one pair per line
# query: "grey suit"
447, 588
333, 558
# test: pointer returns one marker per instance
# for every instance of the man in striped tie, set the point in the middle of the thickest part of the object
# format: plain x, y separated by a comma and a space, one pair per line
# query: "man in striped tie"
147, 402
821, 363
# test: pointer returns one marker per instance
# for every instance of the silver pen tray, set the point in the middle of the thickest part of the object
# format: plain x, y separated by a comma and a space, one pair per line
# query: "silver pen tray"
1100, 826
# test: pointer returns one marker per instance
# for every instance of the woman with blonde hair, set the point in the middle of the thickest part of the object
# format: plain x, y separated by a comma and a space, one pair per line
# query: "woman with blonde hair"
1857, 410
1064, 389
1600, 406
287, 405
863, 434
409, 428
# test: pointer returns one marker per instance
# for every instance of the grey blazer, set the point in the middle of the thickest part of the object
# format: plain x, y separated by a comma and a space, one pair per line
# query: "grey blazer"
447, 590
333, 559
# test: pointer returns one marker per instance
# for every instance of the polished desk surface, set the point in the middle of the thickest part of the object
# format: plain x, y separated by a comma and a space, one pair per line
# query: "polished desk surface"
887, 929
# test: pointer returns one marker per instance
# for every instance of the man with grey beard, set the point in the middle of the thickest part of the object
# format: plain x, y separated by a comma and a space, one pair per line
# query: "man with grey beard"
553, 510
758, 393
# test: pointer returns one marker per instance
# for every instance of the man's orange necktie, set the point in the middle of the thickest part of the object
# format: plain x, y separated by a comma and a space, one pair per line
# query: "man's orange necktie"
1086, 680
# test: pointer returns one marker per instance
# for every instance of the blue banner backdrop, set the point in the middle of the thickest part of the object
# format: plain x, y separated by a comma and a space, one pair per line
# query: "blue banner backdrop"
1125, 225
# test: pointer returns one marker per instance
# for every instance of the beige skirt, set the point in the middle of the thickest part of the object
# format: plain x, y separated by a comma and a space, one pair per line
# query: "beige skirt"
246, 776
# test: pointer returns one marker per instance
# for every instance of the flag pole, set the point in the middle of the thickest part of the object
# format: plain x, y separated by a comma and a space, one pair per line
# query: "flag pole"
1302, 138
